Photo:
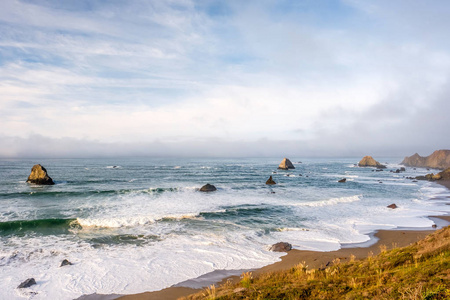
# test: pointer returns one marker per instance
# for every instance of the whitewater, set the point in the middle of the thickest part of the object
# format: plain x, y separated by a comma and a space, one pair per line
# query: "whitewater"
136, 225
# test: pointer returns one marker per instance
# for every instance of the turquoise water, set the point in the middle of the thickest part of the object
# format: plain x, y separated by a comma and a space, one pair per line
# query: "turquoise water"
125, 221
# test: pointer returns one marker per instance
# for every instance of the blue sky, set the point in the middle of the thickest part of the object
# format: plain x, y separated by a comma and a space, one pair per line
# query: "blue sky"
223, 78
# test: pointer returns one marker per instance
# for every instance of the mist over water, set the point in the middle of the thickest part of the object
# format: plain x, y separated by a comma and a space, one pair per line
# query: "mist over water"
135, 225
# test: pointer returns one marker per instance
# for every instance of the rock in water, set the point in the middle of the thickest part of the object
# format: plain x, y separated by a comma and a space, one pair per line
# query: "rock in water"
445, 175
27, 283
281, 247
286, 164
65, 263
208, 188
368, 161
393, 206
343, 180
39, 176
270, 181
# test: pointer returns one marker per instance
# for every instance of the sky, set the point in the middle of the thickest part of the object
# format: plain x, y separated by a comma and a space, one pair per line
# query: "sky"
307, 78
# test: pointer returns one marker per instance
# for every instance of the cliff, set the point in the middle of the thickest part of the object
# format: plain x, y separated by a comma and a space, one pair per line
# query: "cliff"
439, 159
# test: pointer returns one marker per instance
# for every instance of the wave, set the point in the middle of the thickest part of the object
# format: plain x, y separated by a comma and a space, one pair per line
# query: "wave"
53, 225
332, 201
131, 221
50, 193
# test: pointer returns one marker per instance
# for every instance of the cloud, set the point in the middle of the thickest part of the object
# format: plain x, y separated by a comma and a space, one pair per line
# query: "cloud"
345, 77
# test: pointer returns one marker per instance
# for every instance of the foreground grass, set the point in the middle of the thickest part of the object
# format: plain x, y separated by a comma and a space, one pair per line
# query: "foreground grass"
419, 271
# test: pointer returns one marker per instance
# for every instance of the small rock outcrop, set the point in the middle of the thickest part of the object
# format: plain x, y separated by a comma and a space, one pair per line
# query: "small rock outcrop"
65, 263
286, 164
343, 180
439, 159
208, 188
281, 247
270, 181
393, 206
444, 175
368, 161
39, 176
27, 283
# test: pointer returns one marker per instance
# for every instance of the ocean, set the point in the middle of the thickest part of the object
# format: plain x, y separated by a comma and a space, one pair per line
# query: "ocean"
131, 225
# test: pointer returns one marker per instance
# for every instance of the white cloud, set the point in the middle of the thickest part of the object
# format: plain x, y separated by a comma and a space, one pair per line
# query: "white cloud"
141, 71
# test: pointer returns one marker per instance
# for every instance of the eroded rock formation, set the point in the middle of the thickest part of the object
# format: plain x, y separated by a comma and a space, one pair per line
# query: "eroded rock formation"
368, 161
39, 176
286, 164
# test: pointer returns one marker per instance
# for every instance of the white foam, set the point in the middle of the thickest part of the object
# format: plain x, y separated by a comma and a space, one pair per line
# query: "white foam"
130, 221
322, 222
126, 269
332, 201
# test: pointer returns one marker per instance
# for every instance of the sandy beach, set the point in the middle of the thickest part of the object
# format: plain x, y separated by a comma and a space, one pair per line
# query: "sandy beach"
388, 238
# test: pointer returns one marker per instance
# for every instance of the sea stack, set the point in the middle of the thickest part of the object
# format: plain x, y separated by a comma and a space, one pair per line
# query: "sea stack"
270, 181
208, 188
368, 161
39, 176
286, 164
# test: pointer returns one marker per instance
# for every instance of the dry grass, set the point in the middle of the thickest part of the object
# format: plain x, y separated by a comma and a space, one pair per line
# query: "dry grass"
420, 271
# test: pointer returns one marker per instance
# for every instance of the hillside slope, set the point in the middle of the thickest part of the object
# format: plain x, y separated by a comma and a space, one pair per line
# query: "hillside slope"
419, 271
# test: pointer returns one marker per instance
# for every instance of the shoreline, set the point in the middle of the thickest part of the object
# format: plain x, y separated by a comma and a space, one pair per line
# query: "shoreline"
393, 238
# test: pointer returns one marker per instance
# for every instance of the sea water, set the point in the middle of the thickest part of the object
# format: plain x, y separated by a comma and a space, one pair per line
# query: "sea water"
135, 225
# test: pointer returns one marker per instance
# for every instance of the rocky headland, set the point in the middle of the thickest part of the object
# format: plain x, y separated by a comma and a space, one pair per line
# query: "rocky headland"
439, 159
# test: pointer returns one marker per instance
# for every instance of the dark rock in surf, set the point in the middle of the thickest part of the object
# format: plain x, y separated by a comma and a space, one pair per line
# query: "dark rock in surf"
270, 181
208, 188
65, 263
402, 169
393, 206
27, 283
343, 180
39, 176
281, 247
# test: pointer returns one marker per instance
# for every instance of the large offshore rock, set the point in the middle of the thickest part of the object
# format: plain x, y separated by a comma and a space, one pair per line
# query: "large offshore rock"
368, 161
286, 164
39, 176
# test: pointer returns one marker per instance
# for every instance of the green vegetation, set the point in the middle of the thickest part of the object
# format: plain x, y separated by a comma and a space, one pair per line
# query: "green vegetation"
419, 271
